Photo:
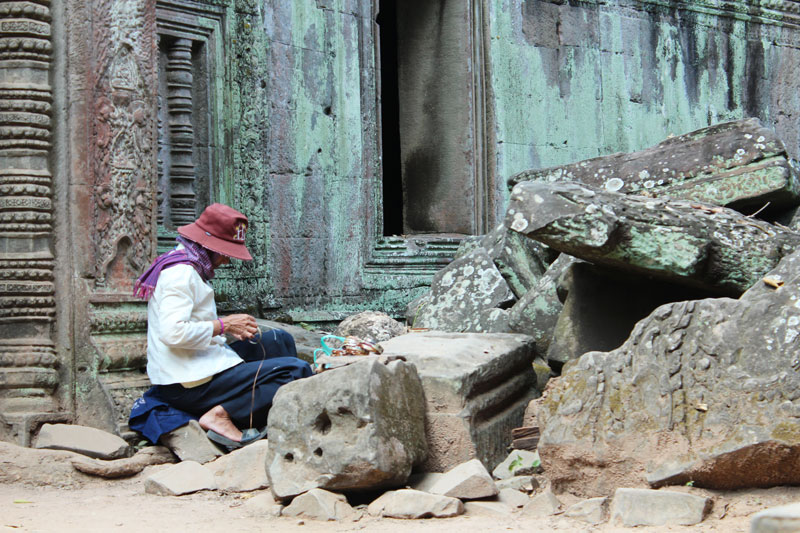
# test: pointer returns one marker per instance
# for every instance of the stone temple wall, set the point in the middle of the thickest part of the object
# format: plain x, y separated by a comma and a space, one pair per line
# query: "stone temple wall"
593, 78
121, 119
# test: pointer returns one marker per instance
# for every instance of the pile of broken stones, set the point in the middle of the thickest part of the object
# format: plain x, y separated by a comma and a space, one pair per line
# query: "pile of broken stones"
643, 309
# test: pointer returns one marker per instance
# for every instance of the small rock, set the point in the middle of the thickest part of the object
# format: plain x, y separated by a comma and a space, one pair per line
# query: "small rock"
319, 504
243, 469
467, 481
592, 511
646, 507
512, 498
182, 478
263, 504
189, 443
543, 504
518, 463
371, 326
519, 483
84, 440
484, 508
409, 503
783, 519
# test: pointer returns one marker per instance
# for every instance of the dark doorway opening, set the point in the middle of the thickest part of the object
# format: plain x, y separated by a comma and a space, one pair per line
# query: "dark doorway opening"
390, 119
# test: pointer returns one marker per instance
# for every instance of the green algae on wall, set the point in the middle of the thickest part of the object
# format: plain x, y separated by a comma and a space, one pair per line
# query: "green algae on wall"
583, 79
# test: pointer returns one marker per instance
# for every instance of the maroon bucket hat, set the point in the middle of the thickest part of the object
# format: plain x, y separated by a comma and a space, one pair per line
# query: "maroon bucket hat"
221, 229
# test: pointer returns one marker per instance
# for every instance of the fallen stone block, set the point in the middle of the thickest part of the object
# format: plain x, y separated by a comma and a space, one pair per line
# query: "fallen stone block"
512, 498
183, 478
87, 441
543, 504
536, 312
782, 519
740, 164
476, 388
484, 508
697, 245
699, 389
371, 326
518, 463
646, 507
355, 427
190, 443
467, 481
263, 504
592, 511
459, 292
592, 318
520, 261
242, 470
319, 504
409, 503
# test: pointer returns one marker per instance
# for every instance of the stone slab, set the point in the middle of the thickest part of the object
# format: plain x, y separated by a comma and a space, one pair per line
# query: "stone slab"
476, 389
781, 519
409, 503
84, 440
183, 478
740, 164
693, 244
645, 507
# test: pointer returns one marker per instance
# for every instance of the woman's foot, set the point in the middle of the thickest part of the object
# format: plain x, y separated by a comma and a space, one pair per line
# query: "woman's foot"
216, 419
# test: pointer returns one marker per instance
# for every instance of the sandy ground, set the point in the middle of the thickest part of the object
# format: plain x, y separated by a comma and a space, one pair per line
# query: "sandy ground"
122, 505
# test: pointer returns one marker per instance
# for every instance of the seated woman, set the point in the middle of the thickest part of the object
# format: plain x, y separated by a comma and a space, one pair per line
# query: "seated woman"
226, 387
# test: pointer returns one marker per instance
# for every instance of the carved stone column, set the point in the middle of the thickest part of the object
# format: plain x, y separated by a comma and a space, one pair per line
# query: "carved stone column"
179, 105
28, 376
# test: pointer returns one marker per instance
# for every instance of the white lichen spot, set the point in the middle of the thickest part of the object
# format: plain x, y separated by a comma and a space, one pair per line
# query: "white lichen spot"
538, 199
740, 151
469, 270
519, 223
748, 136
591, 209
447, 280
665, 169
649, 184
644, 174
760, 139
614, 184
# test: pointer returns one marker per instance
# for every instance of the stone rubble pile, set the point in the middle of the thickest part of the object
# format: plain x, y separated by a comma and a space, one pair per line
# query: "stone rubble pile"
671, 314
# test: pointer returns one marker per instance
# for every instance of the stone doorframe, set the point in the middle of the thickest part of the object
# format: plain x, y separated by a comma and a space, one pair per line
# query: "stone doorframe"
412, 260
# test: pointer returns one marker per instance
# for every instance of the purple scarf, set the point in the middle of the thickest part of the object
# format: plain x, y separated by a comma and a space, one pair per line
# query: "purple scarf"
192, 254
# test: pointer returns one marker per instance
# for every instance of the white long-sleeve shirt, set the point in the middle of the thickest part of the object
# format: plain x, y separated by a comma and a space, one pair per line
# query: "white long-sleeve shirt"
181, 346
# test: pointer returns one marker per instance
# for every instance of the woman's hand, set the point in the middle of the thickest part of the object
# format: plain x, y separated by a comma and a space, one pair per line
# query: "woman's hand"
241, 326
